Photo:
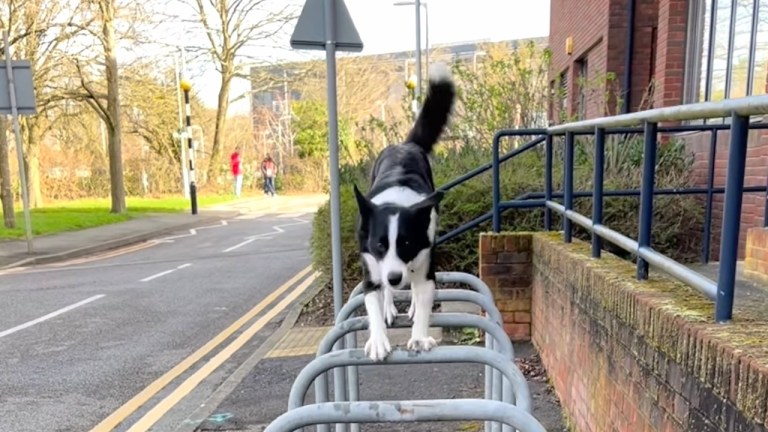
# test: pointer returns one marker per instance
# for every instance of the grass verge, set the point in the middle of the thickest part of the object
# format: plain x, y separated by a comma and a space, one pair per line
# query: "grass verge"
88, 213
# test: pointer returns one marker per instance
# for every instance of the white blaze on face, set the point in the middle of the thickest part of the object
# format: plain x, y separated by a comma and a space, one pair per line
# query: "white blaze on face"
391, 263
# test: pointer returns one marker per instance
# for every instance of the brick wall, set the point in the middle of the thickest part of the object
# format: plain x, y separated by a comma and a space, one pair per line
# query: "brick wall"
603, 43
625, 355
505, 266
670, 56
756, 256
753, 204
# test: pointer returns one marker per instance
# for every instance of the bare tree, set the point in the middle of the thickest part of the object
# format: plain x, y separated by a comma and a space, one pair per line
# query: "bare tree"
106, 101
232, 29
39, 31
6, 193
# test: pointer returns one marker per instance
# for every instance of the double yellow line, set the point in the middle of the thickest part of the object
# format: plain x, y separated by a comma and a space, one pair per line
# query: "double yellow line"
165, 405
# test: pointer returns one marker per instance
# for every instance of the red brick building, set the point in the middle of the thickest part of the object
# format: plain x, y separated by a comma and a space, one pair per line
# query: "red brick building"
658, 53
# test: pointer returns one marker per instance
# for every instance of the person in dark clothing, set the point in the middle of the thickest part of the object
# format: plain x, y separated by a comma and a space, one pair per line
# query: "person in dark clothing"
269, 172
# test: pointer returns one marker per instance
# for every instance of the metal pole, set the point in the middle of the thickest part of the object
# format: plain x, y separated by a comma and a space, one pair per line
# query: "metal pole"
19, 146
179, 97
333, 148
426, 34
192, 185
646, 196
418, 50
729, 234
710, 194
548, 150
597, 187
568, 192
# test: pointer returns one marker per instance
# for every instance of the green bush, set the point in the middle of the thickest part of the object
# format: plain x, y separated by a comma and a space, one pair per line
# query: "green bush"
677, 219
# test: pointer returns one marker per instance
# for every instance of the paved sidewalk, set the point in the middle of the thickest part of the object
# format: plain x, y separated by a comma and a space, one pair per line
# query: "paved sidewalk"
74, 244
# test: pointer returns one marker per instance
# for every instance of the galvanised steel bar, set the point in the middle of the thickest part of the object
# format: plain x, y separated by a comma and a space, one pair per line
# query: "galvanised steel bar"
406, 411
485, 301
682, 273
742, 107
440, 354
475, 284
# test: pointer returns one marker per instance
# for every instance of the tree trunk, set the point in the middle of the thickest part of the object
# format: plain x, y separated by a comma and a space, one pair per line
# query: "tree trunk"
6, 192
221, 120
114, 127
33, 163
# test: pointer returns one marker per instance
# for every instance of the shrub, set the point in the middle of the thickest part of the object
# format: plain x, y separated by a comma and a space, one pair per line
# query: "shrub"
677, 219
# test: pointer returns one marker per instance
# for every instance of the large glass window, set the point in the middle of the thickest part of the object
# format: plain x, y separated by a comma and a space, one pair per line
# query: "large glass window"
727, 49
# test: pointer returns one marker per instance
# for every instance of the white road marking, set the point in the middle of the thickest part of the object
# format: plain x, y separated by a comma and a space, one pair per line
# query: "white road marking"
50, 315
163, 273
192, 232
277, 229
155, 276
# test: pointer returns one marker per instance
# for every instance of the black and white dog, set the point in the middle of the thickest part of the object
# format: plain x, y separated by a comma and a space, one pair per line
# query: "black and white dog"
398, 222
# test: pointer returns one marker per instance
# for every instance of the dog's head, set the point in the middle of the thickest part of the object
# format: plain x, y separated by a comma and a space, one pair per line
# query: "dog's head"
396, 241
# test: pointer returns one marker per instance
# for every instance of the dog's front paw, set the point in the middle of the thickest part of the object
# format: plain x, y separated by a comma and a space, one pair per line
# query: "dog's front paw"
390, 312
411, 310
377, 348
421, 344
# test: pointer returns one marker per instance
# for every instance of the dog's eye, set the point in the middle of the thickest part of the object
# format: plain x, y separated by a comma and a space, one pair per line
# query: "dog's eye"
380, 246
406, 243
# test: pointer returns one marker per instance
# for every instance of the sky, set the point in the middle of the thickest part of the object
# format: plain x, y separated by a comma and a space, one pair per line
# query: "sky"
384, 27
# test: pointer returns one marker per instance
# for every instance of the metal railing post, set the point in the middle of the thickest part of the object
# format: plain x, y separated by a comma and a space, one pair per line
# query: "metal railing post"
710, 194
496, 183
597, 189
729, 237
568, 192
646, 196
548, 150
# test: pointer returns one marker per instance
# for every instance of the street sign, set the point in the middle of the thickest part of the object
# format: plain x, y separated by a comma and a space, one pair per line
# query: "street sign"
310, 32
25, 89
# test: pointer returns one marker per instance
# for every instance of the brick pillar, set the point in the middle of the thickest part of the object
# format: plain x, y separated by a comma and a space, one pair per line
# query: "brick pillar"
670, 57
506, 267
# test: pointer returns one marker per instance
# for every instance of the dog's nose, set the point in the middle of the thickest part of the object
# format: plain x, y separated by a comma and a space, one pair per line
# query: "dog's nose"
394, 278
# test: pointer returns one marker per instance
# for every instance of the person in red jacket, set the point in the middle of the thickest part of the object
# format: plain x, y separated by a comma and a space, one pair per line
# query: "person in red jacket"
237, 170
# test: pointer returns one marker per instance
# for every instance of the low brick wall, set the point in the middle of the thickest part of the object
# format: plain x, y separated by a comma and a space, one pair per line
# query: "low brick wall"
631, 356
756, 260
505, 266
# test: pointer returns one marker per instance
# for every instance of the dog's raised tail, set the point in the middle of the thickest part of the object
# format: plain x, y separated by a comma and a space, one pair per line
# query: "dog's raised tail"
437, 108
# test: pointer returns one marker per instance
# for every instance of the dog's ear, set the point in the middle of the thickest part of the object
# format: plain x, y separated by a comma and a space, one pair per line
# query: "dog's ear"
429, 202
364, 206
423, 209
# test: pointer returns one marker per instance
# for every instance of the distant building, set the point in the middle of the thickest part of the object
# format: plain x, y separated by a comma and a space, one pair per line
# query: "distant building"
402, 61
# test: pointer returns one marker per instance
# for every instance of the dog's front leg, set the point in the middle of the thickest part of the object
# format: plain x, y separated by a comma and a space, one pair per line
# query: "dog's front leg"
423, 295
377, 348
389, 308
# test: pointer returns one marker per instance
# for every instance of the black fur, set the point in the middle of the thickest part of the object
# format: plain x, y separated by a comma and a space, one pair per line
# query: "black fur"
406, 165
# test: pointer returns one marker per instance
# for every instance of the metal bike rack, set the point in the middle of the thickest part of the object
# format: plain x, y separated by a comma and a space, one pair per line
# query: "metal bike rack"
507, 404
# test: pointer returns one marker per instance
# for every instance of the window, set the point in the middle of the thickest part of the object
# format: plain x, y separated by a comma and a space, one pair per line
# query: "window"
727, 53
583, 77
563, 111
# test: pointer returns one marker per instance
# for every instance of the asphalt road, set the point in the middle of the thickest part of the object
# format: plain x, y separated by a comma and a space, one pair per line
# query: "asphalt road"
78, 340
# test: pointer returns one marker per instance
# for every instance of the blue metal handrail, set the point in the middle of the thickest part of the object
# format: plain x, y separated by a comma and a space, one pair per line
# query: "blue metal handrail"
738, 109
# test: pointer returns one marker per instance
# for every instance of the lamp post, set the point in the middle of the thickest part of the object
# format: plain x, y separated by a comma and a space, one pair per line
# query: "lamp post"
186, 86
418, 4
